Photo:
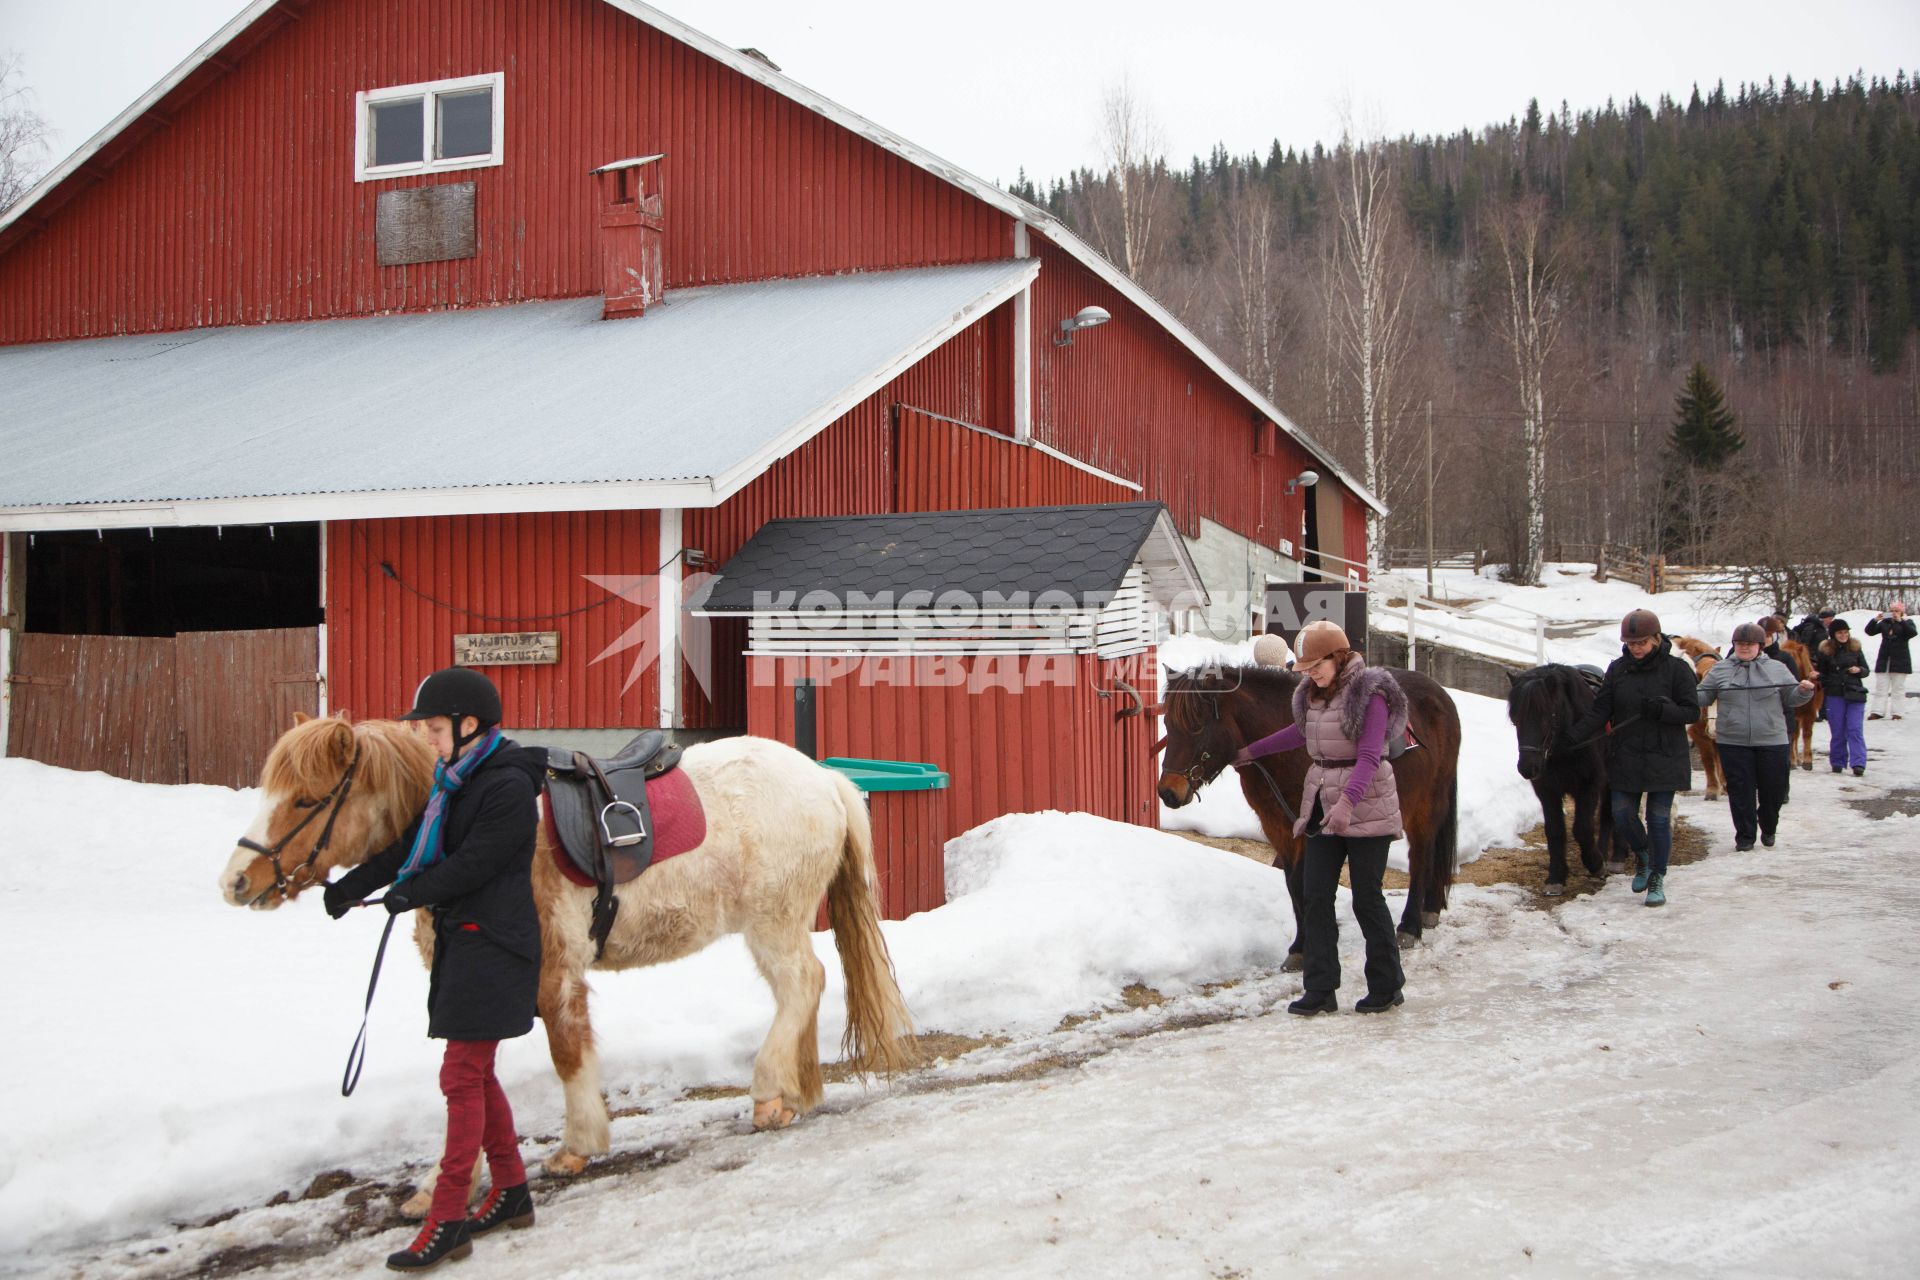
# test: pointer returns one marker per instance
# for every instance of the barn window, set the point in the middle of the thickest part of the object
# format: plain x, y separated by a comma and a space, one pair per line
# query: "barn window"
429, 128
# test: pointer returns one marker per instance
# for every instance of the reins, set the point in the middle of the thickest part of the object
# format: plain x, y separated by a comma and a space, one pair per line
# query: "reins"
357, 1056
332, 803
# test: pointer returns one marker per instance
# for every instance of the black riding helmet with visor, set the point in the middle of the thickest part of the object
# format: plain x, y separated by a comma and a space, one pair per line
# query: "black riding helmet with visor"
457, 692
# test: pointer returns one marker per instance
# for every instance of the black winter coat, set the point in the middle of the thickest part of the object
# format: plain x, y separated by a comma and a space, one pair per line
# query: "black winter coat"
1645, 753
1842, 671
1894, 634
486, 955
1785, 659
1809, 631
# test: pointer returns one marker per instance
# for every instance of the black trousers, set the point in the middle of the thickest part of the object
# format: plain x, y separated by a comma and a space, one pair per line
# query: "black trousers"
1756, 787
1366, 860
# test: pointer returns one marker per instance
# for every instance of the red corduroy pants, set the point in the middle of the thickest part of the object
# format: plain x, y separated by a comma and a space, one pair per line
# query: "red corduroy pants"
477, 1117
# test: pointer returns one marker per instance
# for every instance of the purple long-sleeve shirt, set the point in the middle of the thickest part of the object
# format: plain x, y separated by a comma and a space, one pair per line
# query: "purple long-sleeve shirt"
1367, 752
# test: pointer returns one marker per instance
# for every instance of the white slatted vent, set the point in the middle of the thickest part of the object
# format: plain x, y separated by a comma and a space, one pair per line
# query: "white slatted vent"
1124, 626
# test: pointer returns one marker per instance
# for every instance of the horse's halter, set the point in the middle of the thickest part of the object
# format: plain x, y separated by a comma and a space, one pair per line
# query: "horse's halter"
332, 802
1191, 772
1551, 736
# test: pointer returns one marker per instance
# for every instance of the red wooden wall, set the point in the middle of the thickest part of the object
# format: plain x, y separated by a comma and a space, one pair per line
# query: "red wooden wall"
235, 203
493, 573
1016, 734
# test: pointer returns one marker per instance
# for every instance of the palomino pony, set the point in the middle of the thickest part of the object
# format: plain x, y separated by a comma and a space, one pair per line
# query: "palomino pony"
1541, 703
1211, 714
782, 833
1704, 658
1807, 714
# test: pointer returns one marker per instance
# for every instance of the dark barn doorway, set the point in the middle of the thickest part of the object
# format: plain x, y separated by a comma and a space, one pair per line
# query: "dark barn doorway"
170, 655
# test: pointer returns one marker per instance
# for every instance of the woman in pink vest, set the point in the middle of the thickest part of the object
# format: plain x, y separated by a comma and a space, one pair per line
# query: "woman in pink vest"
1344, 714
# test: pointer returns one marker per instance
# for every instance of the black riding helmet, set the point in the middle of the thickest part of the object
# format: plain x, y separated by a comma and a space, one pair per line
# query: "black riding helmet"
455, 692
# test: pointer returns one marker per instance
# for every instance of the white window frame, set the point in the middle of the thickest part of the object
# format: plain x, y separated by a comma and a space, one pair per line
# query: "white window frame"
428, 90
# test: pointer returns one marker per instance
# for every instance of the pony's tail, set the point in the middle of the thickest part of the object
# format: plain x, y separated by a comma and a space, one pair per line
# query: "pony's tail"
1446, 843
879, 1035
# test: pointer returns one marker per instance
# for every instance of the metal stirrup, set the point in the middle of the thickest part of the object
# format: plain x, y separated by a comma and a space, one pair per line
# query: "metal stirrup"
621, 842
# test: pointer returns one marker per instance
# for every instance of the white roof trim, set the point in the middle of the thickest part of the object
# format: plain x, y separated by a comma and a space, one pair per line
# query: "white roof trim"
386, 504
780, 446
761, 73
1173, 553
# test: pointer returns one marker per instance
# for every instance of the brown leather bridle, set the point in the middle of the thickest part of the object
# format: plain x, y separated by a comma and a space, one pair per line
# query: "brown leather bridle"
332, 802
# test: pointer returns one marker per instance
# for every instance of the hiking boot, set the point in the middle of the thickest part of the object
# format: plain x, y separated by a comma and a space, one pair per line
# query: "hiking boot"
1371, 1003
1839, 768
1640, 877
508, 1206
436, 1242
1312, 1002
1859, 771
1743, 846
1767, 839
1657, 891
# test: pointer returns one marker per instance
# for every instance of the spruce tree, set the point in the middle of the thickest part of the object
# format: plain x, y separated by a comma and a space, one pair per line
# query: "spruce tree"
1704, 432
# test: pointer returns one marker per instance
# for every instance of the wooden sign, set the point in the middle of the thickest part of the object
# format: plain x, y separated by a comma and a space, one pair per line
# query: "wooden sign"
424, 224
506, 648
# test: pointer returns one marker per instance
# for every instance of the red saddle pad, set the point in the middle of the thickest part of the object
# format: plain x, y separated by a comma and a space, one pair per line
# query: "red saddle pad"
679, 822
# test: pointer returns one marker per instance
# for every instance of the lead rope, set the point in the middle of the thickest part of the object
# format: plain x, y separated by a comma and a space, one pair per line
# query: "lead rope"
357, 1056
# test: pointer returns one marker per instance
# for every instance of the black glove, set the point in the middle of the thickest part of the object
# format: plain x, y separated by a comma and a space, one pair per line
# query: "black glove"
396, 901
338, 901
1652, 707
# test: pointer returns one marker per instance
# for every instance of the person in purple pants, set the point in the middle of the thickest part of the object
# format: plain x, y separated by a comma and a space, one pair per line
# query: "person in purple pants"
1843, 673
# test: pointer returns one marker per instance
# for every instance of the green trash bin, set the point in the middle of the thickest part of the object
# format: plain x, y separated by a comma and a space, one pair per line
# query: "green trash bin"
907, 804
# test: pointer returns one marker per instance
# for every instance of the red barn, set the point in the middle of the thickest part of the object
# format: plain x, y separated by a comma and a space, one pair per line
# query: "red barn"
379, 335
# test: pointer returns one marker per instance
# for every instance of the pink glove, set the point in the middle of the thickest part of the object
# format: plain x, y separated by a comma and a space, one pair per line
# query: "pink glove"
1338, 816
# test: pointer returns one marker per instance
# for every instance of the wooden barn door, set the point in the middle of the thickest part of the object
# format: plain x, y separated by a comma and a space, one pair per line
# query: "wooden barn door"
237, 692
97, 702
204, 706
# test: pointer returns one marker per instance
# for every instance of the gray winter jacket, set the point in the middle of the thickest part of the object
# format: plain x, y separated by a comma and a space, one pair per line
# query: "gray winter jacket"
1756, 701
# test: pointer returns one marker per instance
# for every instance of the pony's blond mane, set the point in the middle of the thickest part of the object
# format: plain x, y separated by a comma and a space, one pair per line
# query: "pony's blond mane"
395, 771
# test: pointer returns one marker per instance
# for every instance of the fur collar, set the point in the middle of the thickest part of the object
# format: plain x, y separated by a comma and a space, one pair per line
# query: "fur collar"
1826, 646
1352, 700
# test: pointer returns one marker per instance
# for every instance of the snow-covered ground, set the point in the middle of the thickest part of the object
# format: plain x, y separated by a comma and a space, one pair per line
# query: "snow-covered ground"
1725, 1086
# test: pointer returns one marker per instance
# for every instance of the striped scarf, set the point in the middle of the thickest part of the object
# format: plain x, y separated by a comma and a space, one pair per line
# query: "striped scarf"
429, 846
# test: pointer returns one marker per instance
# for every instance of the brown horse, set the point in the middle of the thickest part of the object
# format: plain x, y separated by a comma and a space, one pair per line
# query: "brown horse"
1212, 713
1807, 714
1704, 658
782, 833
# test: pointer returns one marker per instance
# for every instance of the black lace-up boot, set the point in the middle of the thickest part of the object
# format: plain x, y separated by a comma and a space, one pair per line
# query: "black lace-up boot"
504, 1206
436, 1242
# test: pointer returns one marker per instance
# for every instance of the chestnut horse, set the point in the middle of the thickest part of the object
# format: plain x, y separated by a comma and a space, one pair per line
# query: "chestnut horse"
782, 833
1212, 713
1800, 732
1704, 658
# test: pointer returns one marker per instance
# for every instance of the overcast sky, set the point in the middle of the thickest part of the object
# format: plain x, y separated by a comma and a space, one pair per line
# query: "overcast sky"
994, 85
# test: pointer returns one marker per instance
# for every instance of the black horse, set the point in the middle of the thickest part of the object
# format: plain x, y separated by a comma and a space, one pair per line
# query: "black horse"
1542, 703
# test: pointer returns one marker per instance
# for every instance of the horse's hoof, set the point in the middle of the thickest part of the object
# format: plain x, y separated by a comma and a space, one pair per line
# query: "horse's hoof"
1616, 866
1293, 963
1552, 890
773, 1114
1406, 940
564, 1164
416, 1205
1429, 919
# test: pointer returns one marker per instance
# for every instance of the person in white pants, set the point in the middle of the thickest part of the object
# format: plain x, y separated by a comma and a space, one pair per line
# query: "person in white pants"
1893, 663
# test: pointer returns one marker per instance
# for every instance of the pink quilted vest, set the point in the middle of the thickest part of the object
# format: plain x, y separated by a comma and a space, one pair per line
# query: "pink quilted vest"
1333, 731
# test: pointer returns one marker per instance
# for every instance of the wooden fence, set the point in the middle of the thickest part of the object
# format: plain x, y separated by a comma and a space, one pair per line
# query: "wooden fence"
200, 707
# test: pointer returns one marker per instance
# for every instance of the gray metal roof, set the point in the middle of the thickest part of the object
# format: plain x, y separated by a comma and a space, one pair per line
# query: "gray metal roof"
707, 388
1082, 551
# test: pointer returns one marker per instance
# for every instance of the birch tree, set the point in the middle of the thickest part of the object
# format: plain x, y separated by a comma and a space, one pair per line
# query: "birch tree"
1367, 303
1529, 285
1248, 283
23, 133
1129, 224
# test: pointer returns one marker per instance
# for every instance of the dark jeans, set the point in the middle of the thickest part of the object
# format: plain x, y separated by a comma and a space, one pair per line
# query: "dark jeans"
1366, 860
1654, 841
1755, 773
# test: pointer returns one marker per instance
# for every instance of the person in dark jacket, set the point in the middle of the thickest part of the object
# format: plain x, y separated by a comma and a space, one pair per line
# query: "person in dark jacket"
1775, 628
1843, 674
1894, 663
468, 860
1812, 629
1646, 703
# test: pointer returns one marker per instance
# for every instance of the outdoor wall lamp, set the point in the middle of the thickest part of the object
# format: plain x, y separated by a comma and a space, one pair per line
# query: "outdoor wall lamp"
1085, 318
1305, 480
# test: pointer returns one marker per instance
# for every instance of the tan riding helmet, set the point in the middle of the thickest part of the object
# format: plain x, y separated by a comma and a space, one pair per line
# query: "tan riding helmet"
1318, 639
